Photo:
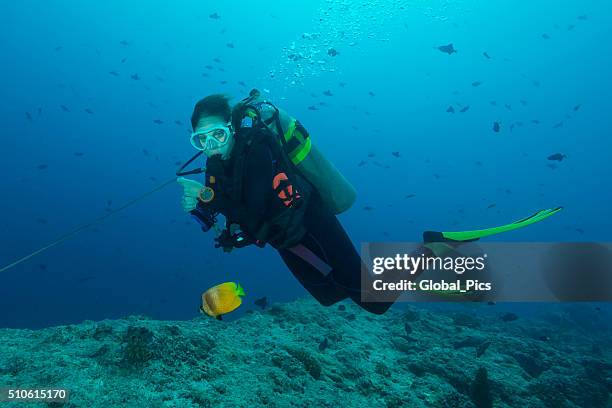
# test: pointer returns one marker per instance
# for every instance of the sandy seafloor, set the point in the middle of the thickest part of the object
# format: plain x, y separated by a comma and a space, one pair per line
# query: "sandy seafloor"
279, 358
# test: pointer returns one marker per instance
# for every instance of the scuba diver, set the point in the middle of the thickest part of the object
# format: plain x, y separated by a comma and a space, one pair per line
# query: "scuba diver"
273, 186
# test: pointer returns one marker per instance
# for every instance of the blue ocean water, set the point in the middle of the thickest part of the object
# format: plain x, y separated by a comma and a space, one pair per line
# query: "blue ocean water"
96, 104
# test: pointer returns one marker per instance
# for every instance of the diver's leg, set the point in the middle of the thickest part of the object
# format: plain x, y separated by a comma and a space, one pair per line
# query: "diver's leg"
311, 278
331, 241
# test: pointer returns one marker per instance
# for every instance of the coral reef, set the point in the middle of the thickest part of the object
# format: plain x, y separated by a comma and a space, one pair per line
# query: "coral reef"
480, 390
303, 355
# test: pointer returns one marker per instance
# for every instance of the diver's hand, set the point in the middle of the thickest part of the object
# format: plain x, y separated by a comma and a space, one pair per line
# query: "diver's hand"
225, 241
234, 238
191, 189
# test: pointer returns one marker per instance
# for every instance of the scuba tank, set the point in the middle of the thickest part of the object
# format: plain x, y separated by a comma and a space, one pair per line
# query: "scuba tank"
336, 192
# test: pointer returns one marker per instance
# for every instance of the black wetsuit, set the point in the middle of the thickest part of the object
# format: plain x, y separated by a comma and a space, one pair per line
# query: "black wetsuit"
322, 234
327, 239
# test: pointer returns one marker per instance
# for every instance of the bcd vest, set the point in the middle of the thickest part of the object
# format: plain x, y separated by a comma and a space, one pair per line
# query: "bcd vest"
283, 223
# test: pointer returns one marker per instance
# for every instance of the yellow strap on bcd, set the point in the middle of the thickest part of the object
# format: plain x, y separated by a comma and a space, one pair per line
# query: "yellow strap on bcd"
299, 153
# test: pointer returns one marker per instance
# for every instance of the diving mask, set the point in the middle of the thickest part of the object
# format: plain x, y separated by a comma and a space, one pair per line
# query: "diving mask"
212, 138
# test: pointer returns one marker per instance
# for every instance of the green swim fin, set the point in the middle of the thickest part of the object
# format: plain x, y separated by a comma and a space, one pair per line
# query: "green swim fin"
464, 236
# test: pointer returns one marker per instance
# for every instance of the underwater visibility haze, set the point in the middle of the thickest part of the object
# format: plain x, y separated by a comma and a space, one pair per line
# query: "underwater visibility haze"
434, 115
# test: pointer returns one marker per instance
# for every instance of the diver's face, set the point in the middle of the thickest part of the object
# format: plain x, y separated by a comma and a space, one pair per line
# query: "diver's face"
215, 136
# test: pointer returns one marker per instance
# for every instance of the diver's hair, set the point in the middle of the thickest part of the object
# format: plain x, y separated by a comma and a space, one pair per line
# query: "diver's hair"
212, 105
